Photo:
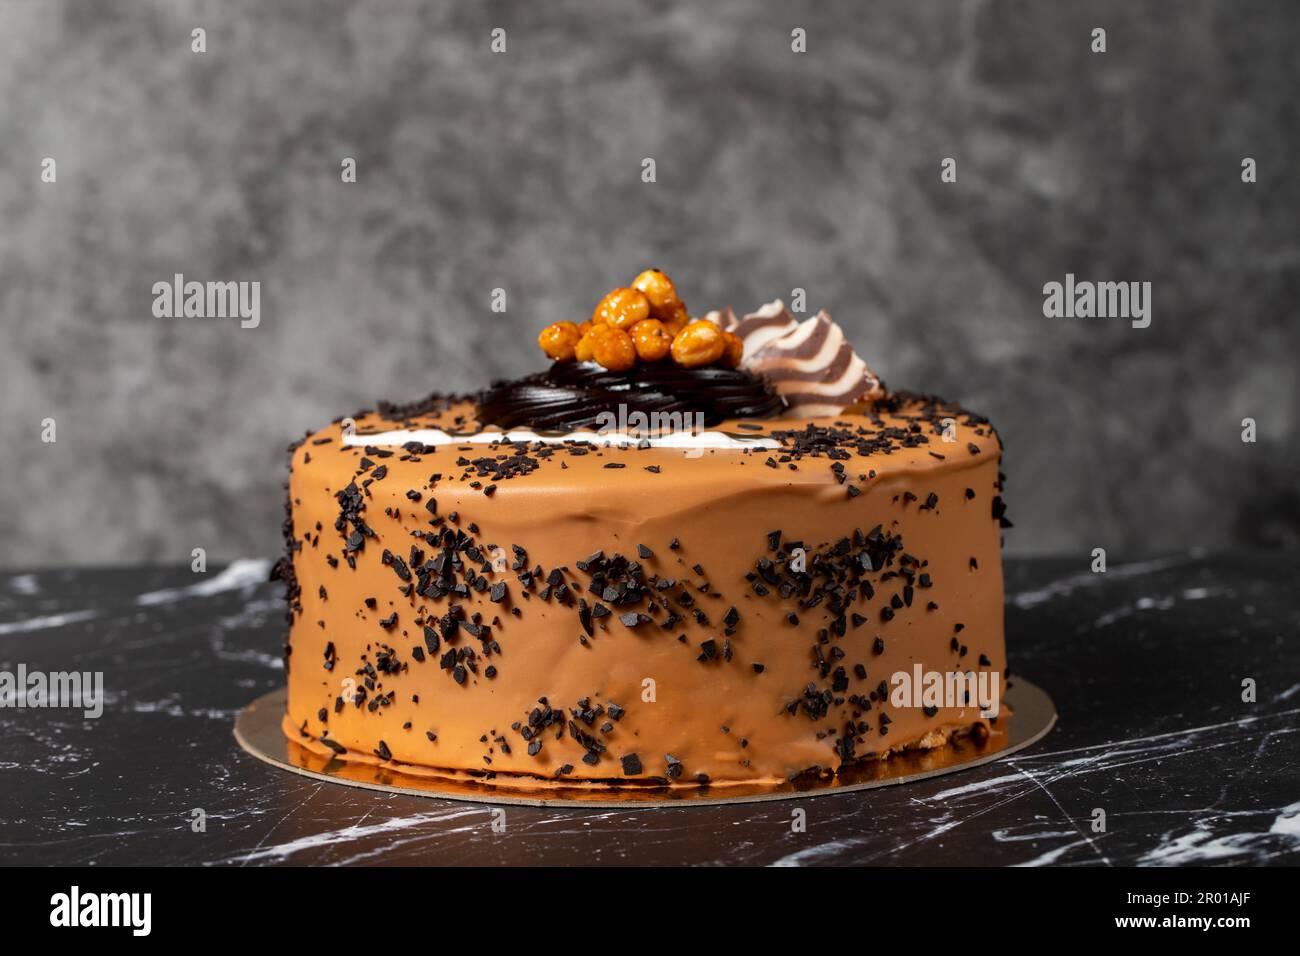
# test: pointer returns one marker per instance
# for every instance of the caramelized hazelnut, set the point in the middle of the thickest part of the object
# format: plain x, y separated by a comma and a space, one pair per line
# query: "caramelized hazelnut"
585, 350
735, 349
676, 319
613, 349
659, 292
621, 309
651, 339
558, 340
700, 343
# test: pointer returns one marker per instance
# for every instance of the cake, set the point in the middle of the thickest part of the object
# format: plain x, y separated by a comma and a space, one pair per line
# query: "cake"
691, 552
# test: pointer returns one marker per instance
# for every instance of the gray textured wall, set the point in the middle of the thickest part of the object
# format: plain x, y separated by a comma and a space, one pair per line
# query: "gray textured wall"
522, 170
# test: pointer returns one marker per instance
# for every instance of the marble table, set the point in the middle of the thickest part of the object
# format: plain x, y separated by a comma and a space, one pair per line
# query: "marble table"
1146, 663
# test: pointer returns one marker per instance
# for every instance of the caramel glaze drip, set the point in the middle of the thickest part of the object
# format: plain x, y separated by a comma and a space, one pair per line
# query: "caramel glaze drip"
573, 395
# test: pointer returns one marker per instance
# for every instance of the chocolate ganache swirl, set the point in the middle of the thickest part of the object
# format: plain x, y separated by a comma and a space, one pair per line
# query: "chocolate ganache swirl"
572, 395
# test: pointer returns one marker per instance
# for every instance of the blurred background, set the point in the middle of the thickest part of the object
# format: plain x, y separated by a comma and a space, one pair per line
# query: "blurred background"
522, 170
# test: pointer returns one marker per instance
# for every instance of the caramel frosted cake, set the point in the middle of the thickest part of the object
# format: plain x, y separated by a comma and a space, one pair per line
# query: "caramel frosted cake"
689, 552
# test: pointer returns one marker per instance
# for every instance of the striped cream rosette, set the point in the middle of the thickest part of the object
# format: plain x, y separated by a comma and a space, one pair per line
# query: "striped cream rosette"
810, 364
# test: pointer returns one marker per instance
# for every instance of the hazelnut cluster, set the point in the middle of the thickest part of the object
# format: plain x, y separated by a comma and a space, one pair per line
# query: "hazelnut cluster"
644, 322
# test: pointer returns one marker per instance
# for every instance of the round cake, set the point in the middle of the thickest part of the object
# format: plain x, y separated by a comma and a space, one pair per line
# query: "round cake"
742, 570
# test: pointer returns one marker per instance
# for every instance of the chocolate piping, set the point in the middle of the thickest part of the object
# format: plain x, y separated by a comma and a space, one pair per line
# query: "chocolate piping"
576, 395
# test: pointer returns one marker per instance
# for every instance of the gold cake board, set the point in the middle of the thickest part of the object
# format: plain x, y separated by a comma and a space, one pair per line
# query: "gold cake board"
1028, 716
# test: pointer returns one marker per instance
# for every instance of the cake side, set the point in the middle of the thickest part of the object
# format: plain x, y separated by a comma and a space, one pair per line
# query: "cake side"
642, 614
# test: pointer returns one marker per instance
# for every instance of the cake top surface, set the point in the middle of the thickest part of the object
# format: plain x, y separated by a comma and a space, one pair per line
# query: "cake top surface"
441, 437
641, 388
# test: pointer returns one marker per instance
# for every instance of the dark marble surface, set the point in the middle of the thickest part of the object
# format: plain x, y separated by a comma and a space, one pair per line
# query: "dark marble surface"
1145, 662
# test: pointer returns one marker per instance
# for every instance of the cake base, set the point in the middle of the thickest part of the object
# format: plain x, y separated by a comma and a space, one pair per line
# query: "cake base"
1028, 716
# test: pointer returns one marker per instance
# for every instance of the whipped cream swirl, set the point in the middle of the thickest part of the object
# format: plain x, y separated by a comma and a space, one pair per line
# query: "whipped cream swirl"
810, 364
